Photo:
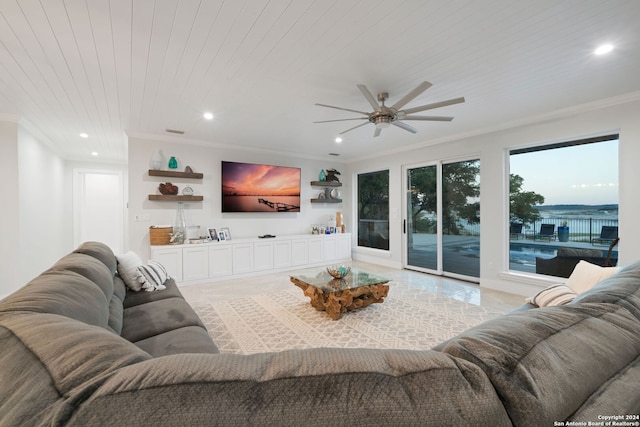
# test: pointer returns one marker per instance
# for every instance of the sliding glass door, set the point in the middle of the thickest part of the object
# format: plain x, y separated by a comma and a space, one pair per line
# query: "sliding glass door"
442, 218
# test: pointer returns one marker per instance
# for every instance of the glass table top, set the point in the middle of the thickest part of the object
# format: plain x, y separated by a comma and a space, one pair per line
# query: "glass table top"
319, 278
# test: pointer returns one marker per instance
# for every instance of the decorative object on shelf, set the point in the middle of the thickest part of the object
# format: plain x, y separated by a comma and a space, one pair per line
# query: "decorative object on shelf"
335, 193
321, 196
188, 169
226, 233
187, 191
213, 234
168, 189
179, 234
315, 229
173, 163
338, 271
156, 160
331, 175
322, 176
160, 234
331, 225
327, 193
193, 232
339, 219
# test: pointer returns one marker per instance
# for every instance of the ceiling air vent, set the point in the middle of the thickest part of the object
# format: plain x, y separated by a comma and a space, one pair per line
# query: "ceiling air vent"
334, 154
179, 132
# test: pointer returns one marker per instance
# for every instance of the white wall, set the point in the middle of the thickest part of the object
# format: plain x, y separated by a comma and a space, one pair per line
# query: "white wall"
9, 258
207, 159
492, 150
44, 207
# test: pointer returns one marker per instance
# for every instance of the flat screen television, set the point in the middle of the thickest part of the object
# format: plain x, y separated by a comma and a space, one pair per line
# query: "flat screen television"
251, 187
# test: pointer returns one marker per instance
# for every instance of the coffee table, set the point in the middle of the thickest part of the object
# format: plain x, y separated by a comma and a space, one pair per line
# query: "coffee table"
358, 289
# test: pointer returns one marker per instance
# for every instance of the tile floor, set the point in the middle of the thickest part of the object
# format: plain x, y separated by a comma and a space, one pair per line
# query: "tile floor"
204, 294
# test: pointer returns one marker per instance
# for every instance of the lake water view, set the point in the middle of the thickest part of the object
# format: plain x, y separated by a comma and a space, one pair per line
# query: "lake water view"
253, 204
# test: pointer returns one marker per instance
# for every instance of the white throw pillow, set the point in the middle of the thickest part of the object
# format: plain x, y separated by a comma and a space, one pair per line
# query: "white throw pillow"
553, 295
585, 276
128, 270
156, 275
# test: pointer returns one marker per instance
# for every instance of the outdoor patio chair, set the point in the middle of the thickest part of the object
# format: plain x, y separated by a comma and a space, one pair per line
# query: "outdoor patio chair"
608, 234
515, 230
547, 231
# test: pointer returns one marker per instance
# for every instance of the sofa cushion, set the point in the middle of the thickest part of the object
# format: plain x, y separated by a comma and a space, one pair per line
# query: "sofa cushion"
116, 313
314, 387
119, 288
89, 267
545, 363
622, 289
61, 292
157, 317
136, 298
190, 339
48, 359
101, 252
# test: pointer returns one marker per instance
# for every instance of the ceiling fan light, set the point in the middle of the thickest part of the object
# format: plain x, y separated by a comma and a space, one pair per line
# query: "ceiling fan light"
383, 122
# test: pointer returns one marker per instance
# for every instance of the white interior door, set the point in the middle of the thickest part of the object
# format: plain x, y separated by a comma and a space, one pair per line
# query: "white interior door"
98, 207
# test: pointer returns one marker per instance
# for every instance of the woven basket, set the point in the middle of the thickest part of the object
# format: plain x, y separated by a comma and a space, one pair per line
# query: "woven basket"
160, 235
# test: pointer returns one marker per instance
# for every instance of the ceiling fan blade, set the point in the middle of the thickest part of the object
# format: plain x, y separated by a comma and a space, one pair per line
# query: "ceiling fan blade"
377, 132
369, 97
343, 109
434, 105
341, 120
355, 127
429, 118
405, 126
411, 95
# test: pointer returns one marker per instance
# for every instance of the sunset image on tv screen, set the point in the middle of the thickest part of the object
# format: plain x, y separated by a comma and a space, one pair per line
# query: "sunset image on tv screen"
249, 187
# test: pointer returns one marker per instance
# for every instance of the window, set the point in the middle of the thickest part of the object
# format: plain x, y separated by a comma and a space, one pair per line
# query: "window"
563, 205
373, 210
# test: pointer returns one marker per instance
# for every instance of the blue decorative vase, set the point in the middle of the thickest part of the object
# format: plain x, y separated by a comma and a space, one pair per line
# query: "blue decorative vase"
323, 176
563, 233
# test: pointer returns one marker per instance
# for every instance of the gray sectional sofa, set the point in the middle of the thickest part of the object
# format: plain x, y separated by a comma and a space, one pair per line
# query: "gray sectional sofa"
76, 349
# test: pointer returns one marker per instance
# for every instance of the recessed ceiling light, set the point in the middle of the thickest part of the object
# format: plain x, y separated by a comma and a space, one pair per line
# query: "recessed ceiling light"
208, 116
338, 139
94, 153
84, 135
603, 49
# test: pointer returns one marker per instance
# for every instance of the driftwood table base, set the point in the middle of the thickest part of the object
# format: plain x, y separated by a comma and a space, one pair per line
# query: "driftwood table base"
338, 302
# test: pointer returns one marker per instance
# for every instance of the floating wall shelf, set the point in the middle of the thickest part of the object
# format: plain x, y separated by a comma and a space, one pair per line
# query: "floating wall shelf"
175, 174
176, 198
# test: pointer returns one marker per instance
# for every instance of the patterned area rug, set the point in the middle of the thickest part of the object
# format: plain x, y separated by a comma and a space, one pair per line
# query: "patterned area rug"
409, 318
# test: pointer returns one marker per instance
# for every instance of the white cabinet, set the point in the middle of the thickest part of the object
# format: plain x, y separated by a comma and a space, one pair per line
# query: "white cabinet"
282, 253
299, 251
171, 259
329, 249
263, 256
315, 250
195, 263
220, 260
343, 244
242, 258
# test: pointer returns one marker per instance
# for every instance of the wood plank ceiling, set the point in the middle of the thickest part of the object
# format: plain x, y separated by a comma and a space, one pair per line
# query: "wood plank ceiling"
113, 68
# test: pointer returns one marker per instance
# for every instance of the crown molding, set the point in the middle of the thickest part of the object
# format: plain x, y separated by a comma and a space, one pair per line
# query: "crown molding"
554, 115
211, 144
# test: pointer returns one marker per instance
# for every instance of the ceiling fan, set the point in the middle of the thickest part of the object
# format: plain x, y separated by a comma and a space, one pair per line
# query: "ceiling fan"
383, 116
